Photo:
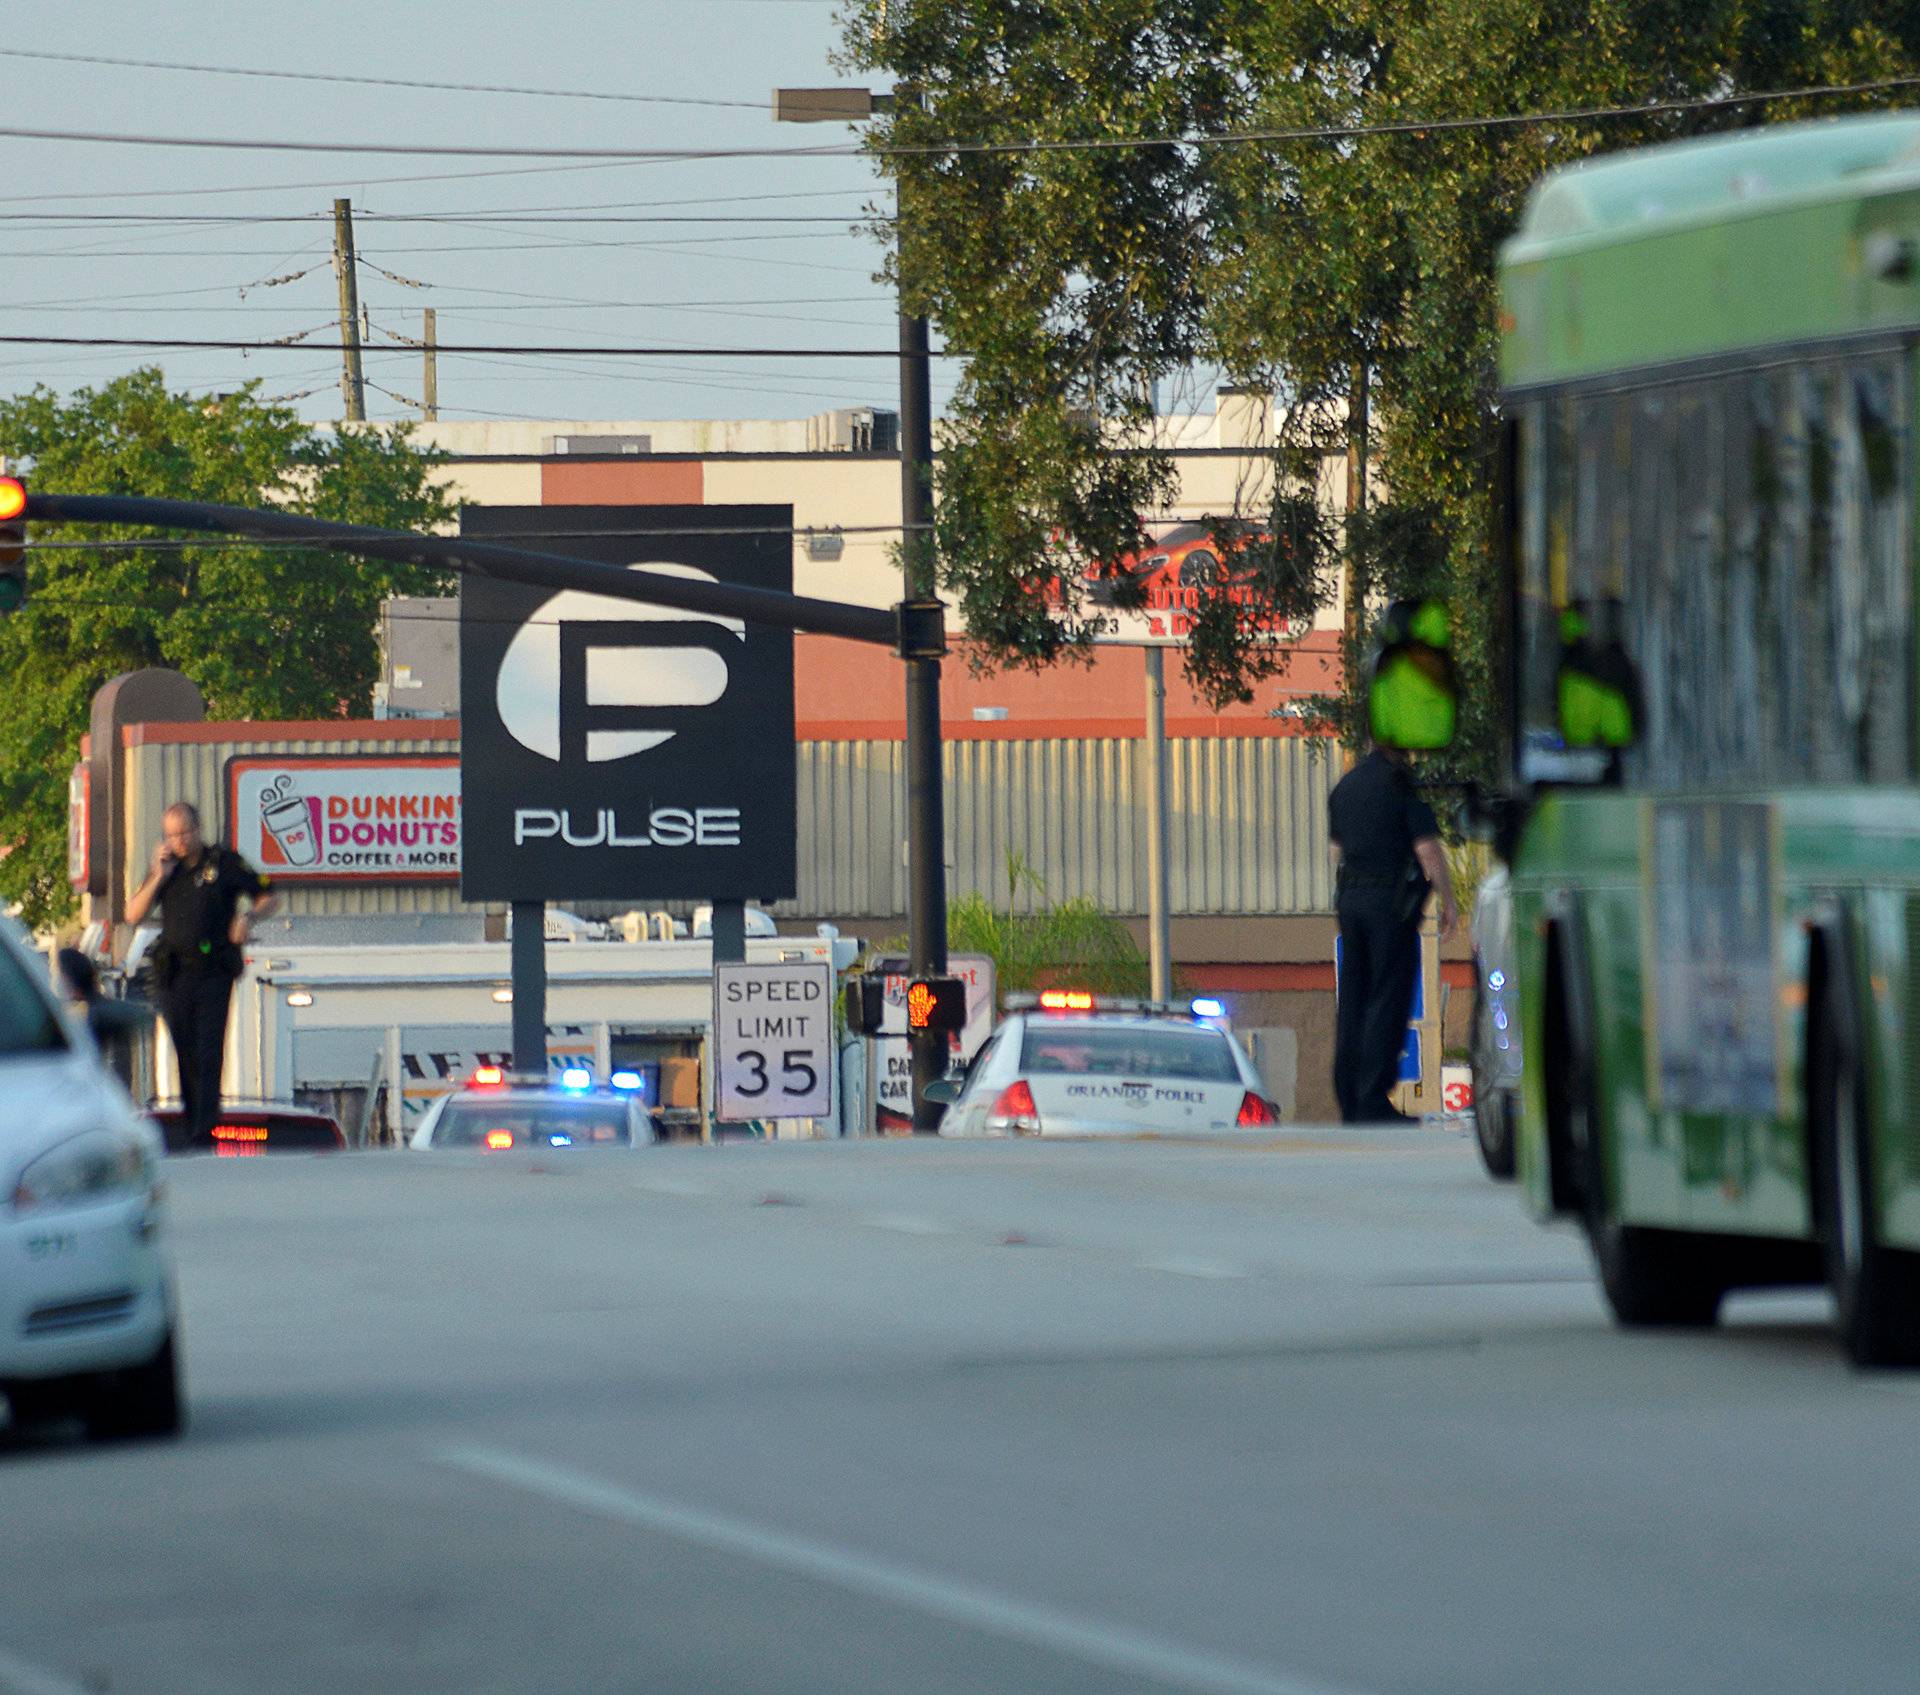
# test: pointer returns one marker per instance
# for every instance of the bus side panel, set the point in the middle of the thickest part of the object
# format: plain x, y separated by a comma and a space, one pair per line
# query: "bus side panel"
1580, 865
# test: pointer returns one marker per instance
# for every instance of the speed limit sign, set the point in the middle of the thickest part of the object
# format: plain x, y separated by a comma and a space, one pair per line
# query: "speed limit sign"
773, 1041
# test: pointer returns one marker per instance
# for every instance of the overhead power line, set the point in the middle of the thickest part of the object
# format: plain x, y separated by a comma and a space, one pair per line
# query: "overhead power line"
298, 544
941, 149
140, 220
375, 82
177, 343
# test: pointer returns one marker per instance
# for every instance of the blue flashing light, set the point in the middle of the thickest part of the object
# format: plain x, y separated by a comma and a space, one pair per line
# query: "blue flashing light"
576, 1077
625, 1079
560, 1139
1496, 979
1205, 1006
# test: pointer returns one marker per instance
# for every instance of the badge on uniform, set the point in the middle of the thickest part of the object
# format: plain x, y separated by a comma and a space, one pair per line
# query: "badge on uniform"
210, 872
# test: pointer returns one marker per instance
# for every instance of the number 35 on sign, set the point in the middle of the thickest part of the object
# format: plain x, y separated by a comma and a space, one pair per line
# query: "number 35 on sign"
773, 1041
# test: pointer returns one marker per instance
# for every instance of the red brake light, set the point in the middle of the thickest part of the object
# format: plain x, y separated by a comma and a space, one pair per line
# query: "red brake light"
1256, 1109
488, 1076
239, 1132
498, 1140
1066, 1000
1014, 1110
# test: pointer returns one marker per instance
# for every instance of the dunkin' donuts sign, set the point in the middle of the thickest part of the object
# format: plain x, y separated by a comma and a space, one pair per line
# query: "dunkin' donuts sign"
333, 816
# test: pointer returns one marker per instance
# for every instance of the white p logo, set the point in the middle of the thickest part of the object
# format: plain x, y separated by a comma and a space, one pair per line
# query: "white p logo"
588, 676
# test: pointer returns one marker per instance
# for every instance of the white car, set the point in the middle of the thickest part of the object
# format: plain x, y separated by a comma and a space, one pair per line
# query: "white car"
1067, 1065
87, 1309
500, 1112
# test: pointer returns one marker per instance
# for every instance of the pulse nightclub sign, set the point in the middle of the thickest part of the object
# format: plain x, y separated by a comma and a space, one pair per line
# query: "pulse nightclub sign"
612, 750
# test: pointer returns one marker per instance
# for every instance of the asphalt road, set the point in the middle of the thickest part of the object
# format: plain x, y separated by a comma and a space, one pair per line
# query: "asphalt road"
1325, 1414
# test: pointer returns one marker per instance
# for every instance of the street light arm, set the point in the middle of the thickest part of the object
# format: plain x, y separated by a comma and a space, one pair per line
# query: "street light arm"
557, 571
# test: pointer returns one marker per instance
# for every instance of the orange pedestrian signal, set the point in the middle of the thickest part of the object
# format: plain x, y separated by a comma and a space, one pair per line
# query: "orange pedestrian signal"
13, 544
936, 1003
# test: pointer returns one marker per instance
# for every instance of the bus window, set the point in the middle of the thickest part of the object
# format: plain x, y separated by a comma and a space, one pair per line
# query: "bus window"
1736, 547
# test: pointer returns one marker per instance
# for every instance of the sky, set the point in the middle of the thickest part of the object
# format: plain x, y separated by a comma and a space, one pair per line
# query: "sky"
71, 264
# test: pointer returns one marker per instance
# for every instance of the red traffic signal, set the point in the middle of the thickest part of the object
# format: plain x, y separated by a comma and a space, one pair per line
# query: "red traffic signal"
937, 1003
13, 543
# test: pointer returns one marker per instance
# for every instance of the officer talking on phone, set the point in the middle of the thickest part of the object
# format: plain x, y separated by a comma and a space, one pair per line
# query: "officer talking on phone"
198, 887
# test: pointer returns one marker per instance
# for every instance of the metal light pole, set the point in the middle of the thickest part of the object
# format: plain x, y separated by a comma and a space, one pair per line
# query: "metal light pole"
922, 624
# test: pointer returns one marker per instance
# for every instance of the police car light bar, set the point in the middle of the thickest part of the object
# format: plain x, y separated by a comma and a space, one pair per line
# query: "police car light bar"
1084, 1000
576, 1077
625, 1080
488, 1076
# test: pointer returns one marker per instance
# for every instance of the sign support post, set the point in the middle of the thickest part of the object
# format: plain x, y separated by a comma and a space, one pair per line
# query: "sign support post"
729, 932
530, 986
1159, 929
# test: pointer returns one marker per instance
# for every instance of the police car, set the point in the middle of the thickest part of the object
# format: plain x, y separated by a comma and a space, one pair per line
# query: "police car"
497, 1111
87, 1306
1067, 1063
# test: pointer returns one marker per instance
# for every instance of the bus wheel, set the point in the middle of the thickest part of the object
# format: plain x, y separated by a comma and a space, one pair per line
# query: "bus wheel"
1876, 1289
1652, 1278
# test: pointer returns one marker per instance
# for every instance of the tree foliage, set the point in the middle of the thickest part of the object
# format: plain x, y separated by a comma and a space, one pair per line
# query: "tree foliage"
1072, 282
265, 631
1036, 942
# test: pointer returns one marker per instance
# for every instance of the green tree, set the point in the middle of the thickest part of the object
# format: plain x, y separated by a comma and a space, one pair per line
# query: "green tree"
1036, 942
266, 631
1324, 267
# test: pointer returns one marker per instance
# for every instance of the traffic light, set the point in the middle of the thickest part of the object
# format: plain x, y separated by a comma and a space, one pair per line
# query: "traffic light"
13, 544
866, 1003
936, 1003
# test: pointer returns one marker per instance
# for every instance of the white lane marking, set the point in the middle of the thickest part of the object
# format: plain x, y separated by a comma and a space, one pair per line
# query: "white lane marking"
1181, 1265
21, 1677
904, 1225
1095, 1641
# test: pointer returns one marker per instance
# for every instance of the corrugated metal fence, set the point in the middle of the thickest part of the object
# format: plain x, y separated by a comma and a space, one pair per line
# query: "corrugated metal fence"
159, 773
1249, 822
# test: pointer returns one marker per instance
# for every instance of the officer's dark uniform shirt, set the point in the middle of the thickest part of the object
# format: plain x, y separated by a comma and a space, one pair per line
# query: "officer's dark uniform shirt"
1376, 816
197, 904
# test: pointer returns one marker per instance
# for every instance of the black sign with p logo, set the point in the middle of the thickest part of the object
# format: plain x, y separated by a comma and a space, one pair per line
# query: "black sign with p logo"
613, 750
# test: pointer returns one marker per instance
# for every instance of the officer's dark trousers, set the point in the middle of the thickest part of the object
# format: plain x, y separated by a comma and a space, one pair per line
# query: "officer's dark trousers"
1379, 954
195, 1008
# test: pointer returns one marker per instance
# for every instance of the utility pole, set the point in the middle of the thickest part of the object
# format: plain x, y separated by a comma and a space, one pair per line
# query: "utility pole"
922, 618
353, 387
926, 787
1159, 925
1357, 426
430, 378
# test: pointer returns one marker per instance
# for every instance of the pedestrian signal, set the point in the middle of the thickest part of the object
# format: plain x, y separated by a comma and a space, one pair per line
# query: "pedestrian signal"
936, 1003
866, 1004
13, 544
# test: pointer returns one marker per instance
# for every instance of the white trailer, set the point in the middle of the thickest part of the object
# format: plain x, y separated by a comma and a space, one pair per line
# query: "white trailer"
378, 1032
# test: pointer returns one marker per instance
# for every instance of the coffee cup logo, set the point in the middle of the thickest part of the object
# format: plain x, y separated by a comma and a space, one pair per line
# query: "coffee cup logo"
290, 822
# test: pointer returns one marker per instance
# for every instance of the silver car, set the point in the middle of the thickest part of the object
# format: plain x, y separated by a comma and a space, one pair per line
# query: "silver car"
1496, 1022
1069, 1066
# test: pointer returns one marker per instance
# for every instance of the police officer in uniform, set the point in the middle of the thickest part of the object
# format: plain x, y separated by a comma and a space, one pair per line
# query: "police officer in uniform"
1387, 848
198, 887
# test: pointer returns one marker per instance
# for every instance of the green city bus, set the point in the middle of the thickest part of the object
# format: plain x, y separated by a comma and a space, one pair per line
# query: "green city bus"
1708, 363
